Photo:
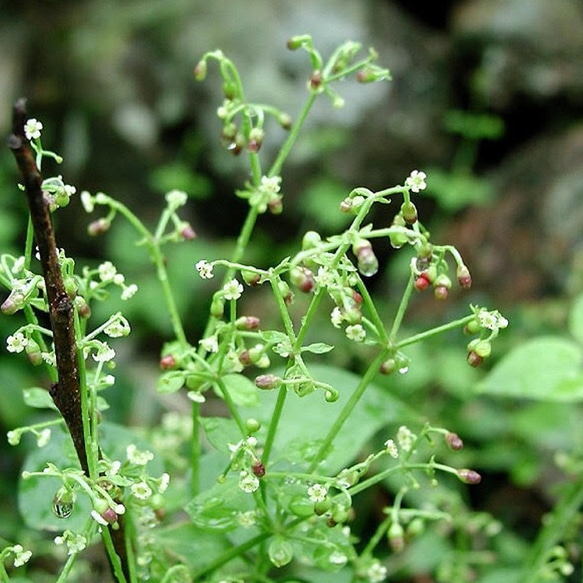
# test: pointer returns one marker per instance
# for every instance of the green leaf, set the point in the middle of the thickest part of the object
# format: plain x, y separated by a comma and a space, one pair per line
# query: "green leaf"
38, 398
219, 507
305, 421
242, 390
317, 348
546, 368
169, 383
576, 319
221, 431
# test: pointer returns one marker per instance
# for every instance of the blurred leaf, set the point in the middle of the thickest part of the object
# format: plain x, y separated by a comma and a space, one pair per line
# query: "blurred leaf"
547, 368
220, 432
576, 319
474, 126
179, 175
320, 203
455, 191
243, 391
38, 398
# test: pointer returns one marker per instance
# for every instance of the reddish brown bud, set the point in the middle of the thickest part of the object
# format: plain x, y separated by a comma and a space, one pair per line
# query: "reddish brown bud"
463, 276
258, 469
454, 441
474, 359
422, 282
167, 362
98, 227
187, 232
315, 81
469, 476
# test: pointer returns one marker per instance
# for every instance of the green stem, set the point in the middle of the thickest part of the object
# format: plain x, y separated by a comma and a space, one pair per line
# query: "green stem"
273, 423
402, 308
292, 136
113, 557
552, 532
348, 408
434, 331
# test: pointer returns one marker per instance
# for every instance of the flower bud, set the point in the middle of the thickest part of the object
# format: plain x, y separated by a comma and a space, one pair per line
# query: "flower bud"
266, 382
482, 348
396, 537
168, 362
98, 227
187, 232
250, 278
422, 281
286, 292
258, 469
389, 366
217, 308
454, 441
285, 121
275, 205
302, 278
315, 81
33, 352
463, 276
280, 551
200, 71
63, 502
247, 323
322, 506
311, 240
409, 212
469, 476
82, 307
252, 425
474, 360
368, 264
472, 327
13, 303
256, 136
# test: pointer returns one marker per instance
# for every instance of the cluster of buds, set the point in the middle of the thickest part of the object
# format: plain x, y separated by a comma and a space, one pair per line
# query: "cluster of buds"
433, 274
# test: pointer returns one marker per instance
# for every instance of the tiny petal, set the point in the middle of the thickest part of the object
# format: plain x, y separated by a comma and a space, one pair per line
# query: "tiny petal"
416, 181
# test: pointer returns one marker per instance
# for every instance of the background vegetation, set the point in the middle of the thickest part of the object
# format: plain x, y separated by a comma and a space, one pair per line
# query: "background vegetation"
486, 97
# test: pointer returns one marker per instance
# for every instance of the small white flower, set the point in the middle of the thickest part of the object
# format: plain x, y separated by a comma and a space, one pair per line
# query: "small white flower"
232, 290
492, 320
14, 437
75, 542
248, 482
336, 317
118, 328
376, 572
107, 271
164, 483
416, 181
32, 129
391, 448
87, 201
406, 438
205, 269
317, 492
355, 332
43, 437
141, 490
129, 291
137, 457
118, 279
210, 344
20, 555
16, 342
104, 354
271, 184
49, 357
247, 519
176, 198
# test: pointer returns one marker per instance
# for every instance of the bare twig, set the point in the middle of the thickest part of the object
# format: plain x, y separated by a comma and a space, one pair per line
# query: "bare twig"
66, 392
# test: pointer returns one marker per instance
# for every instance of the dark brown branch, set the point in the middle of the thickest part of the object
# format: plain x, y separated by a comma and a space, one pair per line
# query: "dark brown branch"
66, 392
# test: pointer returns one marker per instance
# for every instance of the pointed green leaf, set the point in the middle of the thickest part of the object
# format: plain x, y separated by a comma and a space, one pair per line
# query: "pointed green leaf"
547, 368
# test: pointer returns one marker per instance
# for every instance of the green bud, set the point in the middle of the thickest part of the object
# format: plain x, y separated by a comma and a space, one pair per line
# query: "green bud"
280, 551
200, 71
409, 212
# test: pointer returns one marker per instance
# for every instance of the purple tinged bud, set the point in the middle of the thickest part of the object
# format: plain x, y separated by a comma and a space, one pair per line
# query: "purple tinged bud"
187, 232
469, 476
12, 303
396, 536
474, 359
463, 276
266, 382
250, 278
302, 278
454, 441
247, 323
33, 352
98, 227
82, 307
